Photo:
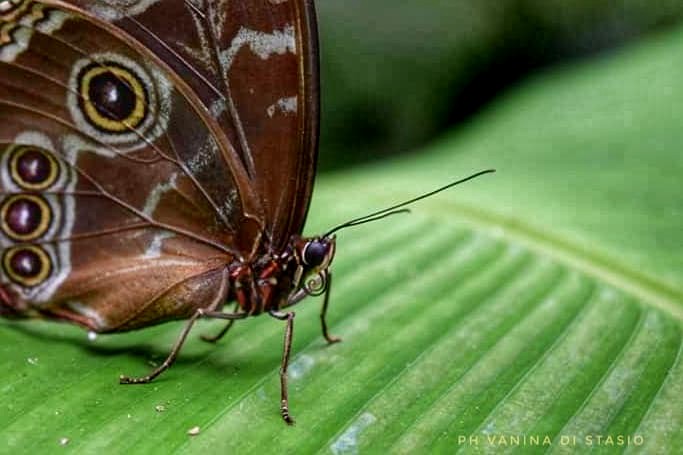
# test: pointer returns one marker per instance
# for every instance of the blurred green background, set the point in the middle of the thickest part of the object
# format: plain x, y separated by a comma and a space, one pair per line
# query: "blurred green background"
397, 73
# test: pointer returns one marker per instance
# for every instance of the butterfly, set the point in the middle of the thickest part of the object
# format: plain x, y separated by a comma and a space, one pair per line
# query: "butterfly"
157, 160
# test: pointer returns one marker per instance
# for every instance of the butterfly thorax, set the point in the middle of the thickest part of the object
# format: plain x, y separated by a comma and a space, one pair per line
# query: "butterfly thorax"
275, 281
261, 286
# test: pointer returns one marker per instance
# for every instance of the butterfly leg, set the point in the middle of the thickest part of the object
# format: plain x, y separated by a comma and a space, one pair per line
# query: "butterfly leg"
223, 332
289, 330
323, 313
179, 344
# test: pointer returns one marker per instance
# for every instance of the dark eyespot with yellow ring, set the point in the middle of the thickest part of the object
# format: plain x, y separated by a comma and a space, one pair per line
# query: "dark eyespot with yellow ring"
27, 265
113, 98
32, 168
25, 217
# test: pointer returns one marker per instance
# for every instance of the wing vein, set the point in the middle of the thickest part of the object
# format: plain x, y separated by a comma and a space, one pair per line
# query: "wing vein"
223, 76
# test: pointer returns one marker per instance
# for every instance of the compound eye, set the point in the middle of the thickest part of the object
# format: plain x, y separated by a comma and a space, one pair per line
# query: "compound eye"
315, 253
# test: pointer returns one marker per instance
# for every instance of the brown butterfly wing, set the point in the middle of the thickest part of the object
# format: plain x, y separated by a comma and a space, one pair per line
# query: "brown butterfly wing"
254, 65
114, 217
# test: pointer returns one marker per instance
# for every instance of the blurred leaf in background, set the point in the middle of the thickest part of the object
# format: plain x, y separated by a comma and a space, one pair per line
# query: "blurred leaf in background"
397, 73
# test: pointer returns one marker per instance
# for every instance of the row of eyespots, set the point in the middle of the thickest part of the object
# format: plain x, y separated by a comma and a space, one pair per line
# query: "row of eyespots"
26, 217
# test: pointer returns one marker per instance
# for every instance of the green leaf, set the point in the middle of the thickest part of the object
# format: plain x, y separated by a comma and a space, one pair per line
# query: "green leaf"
542, 301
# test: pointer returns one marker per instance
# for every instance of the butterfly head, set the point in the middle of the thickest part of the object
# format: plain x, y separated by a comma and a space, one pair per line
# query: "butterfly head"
317, 253
313, 257
314, 254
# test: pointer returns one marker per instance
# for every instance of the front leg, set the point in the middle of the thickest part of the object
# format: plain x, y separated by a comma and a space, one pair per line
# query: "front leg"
287, 349
323, 312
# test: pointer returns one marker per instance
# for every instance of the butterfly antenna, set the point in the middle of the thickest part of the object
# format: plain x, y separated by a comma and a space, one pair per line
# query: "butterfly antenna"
398, 208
